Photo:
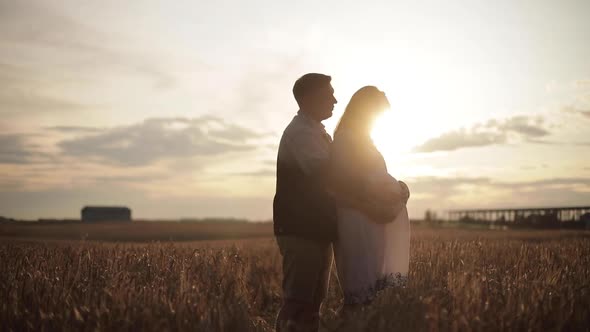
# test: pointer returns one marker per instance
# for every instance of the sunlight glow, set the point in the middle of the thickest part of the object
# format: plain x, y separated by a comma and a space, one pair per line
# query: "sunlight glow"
394, 134
423, 96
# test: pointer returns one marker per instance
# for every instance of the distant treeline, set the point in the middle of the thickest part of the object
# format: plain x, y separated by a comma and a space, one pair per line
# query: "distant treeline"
182, 220
137, 231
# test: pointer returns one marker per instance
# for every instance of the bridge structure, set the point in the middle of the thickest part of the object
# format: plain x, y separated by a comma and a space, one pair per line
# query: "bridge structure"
540, 215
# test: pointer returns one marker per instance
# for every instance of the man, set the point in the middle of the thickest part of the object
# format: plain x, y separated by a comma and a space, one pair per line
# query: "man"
304, 215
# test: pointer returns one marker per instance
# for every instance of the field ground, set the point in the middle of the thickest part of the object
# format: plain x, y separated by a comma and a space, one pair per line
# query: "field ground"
135, 231
115, 277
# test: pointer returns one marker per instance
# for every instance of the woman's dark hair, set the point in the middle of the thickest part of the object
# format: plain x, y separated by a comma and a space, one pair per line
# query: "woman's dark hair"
364, 106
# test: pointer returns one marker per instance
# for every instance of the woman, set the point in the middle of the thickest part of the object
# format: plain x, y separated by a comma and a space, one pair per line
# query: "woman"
372, 251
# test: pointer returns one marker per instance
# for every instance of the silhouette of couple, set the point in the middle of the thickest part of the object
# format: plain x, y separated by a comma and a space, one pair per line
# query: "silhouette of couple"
335, 198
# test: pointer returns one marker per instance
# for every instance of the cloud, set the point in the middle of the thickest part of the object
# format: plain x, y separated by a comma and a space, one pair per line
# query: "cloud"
529, 127
10, 184
543, 183
485, 192
232, 132
13, 150
32, 27
161, 138
27, 91
492, 132
129, 178
461, 138
443, 187
259, 173
576, 110
449, 184
583, 94
28, 101
16, 149
74, 129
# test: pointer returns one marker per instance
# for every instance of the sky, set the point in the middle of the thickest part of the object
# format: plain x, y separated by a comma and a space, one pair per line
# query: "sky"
175, 109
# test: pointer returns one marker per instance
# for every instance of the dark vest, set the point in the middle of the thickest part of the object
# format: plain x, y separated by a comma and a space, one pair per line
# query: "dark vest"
301, 205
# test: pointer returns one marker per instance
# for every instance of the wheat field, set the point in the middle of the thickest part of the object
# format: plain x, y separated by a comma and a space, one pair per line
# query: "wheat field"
460, 280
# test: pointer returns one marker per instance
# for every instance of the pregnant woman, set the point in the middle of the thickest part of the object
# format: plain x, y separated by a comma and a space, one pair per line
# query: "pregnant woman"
373, 247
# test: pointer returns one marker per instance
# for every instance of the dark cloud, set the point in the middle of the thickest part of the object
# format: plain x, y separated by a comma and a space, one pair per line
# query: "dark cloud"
529, 127
576, 110
16, 149
489, 133
74, 129
161, 138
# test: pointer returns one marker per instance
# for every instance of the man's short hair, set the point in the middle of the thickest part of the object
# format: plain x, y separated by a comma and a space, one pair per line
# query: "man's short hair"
307, 83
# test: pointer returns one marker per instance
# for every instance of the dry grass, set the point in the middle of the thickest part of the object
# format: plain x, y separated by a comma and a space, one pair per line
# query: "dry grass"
460, 280
136, 231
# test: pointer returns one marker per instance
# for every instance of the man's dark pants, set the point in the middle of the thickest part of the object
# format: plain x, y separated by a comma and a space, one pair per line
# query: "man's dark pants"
306, 275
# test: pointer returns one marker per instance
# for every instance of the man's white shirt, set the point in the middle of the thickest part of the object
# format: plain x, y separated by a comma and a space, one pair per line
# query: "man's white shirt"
306, 143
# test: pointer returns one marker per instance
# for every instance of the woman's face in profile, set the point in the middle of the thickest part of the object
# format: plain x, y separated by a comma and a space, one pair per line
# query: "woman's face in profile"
384, 103
380, 106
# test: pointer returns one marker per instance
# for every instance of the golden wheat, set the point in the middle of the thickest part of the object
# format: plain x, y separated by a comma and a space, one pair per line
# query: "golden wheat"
459, 281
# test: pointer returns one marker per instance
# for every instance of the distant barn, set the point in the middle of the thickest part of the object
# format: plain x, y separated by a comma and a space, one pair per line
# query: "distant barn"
106, 213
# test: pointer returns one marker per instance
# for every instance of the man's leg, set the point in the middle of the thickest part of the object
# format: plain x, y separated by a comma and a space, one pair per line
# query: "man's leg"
327, 257
306, 274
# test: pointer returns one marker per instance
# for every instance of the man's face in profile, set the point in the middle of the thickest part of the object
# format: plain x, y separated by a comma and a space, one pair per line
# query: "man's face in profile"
324, 102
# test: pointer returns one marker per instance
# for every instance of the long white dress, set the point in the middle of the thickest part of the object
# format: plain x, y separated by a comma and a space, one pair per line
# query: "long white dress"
371, 256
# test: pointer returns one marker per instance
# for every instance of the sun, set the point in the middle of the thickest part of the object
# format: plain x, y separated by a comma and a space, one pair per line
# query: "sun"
395, 134
417, 102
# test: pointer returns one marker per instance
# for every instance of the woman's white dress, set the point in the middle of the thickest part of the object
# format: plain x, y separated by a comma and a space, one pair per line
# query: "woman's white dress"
370, 256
